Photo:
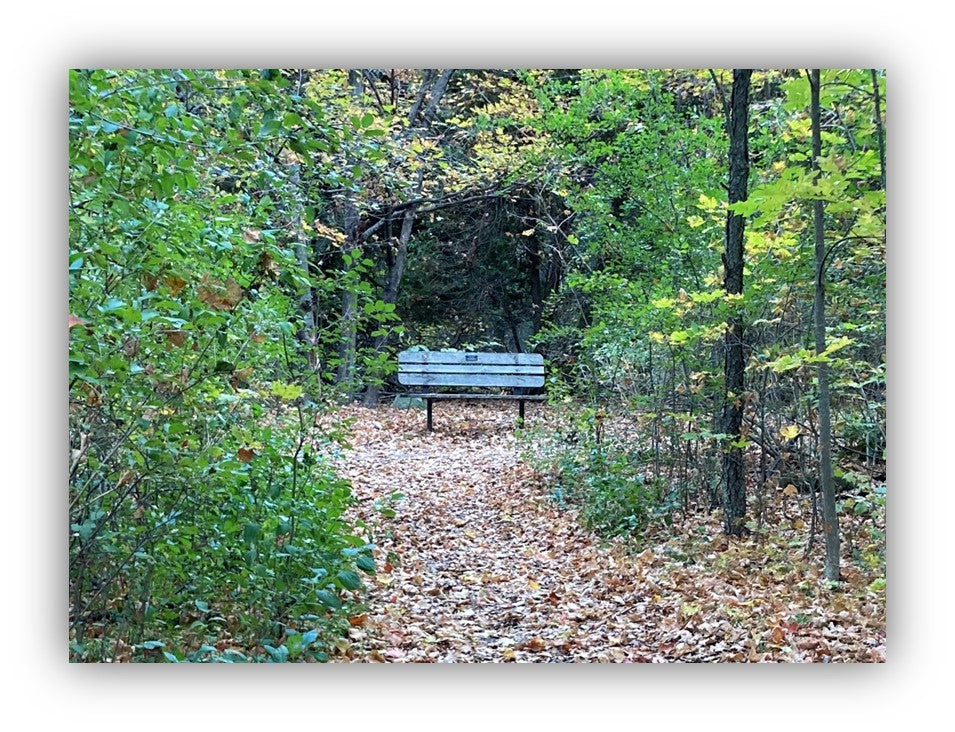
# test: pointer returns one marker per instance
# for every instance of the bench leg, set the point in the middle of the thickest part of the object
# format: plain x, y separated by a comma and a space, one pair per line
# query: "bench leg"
430, 427
520, 420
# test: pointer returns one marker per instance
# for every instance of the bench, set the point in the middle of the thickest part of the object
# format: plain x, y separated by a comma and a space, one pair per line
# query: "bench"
478, 370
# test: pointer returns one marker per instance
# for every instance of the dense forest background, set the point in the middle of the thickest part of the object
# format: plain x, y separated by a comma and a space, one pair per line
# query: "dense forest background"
250, 248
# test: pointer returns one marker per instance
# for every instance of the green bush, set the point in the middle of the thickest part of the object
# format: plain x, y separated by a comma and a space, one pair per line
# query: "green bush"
605, 478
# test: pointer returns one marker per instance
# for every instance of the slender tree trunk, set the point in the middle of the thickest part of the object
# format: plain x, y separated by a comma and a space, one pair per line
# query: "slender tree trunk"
308, 302
349, 320
830, 522
349, 331
426, 82
734, 487
440, 87
878, 123
534, 275
393, 280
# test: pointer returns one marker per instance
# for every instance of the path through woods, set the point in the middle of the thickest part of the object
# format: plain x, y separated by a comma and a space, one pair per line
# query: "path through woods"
479, 563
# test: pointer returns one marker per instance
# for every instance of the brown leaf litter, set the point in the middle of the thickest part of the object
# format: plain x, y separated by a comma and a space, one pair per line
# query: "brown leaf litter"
479, 564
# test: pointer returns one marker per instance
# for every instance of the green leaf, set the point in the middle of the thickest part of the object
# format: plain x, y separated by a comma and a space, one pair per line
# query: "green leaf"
365, 564
329, 599
288, 392
878, 585
251, 532
294, 644
279, 655
348, 579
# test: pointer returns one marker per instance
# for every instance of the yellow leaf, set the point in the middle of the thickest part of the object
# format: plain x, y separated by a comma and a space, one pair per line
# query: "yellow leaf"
799, 524
789, 432
533, 585
527, 232
688, 609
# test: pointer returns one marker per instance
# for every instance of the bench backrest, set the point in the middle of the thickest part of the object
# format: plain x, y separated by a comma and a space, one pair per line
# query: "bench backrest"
459, 368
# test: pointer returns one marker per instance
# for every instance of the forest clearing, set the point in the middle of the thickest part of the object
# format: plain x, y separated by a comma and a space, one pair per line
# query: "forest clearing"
647, 308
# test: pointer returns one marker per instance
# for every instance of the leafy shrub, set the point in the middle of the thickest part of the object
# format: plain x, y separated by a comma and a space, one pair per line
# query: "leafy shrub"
603, 476
200, 509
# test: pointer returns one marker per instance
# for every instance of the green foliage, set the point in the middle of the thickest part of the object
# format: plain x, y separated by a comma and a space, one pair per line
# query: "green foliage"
223, 249
640, 319
199, 507
604, 476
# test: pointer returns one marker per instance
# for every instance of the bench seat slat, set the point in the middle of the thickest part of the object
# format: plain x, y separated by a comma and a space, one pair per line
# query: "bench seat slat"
443, 368
419, 379
465, 358
466, 397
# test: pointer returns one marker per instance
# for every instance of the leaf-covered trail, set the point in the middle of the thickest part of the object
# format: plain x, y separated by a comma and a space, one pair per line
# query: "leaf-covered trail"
479, 564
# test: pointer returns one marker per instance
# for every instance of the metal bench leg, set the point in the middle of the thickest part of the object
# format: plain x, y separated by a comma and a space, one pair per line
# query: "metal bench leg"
520, 420
430, 427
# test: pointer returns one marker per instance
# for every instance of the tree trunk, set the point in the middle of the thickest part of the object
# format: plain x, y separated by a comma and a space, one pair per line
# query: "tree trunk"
396, 269
440, 86
734, 487
830, 522
878, 124
393, 281
308, 302
349, 323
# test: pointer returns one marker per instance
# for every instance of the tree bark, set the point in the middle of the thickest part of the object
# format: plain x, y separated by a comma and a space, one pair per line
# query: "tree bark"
419, 100
393, 281
830, 522
440, 87
308, 302
349, 322
878, 124
734, 487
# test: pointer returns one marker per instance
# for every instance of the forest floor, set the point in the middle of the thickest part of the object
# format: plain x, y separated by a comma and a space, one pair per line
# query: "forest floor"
478, 563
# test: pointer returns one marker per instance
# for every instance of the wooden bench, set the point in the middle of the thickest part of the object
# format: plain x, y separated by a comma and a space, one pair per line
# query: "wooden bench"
479, 370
